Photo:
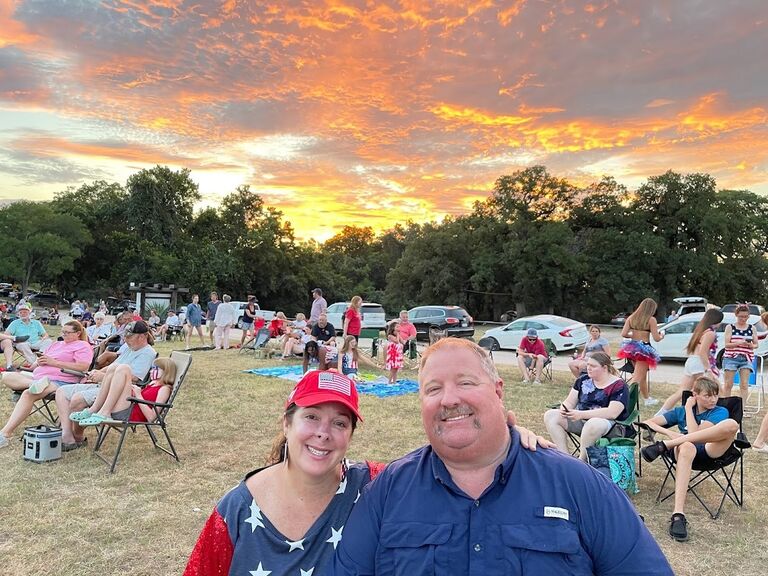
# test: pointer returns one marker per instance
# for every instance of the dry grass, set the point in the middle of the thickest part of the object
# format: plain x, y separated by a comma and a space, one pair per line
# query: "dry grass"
71, 518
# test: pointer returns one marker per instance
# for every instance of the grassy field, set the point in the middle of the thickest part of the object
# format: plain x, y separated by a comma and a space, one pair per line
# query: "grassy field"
71, 518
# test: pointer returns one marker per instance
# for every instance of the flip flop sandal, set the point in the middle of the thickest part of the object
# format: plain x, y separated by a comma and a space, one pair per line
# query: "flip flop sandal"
81, 415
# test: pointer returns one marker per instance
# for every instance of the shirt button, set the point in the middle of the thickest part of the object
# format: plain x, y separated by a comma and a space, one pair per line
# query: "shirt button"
478, 548
477, 503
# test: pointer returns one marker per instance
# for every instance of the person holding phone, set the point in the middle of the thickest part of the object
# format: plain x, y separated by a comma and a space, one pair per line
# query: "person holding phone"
740, 344
591, 409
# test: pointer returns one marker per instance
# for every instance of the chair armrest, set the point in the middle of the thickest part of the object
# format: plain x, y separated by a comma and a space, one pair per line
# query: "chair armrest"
73, 372
741, 441
149, 403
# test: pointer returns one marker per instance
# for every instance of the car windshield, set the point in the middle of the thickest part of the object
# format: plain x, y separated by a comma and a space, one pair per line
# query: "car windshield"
753, 309
373, 309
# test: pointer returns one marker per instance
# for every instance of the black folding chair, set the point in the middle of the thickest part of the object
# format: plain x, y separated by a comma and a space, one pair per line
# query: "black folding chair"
723, 471
487, 344
182, 361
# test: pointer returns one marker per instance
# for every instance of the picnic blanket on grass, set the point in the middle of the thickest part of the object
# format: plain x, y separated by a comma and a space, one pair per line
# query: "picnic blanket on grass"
368, 383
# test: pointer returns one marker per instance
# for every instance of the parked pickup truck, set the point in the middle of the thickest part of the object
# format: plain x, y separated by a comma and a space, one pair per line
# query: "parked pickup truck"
240, 307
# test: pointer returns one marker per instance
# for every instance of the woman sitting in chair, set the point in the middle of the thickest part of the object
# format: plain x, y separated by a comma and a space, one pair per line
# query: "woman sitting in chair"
596, 343
72, 353
591, 408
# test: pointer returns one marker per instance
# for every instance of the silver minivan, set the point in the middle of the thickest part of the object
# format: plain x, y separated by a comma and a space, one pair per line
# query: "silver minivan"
373, 315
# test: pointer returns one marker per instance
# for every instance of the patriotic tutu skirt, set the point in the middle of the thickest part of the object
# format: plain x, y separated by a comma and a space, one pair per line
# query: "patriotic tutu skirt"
639, 352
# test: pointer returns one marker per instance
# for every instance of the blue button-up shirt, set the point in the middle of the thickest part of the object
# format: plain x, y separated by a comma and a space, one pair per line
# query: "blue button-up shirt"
543, 513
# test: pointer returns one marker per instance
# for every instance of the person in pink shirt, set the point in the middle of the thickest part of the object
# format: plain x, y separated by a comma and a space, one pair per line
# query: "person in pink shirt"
531, 355
72, 353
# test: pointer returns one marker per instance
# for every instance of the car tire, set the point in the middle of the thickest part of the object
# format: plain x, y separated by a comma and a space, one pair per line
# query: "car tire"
494, 345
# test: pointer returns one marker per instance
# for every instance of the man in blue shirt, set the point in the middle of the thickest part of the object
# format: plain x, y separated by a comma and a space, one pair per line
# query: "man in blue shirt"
705, 432
472, 503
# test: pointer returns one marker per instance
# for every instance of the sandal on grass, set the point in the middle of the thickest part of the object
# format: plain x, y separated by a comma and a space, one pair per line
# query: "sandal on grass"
68, 447
81, 415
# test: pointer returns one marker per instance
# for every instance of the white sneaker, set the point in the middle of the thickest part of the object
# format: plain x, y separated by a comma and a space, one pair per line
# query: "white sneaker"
537, 381
4, 441
650, 402
525, 380
763, 448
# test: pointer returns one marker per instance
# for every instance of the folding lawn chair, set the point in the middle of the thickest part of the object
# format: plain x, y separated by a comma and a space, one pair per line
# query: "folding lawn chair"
633, 416
546, 371
258, 341
182, 361
375, 336
720, 470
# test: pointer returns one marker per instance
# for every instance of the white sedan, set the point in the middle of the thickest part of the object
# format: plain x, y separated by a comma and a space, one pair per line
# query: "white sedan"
564, 333
677, 334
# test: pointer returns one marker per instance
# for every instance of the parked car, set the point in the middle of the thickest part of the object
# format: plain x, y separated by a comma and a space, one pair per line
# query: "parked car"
5, 288
373, 315
44, 299
754, 309
691, 304
678, 332
454, 319
564, 333
620, 318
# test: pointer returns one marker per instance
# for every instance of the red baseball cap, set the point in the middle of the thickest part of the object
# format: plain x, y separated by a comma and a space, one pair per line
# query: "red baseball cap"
320, 386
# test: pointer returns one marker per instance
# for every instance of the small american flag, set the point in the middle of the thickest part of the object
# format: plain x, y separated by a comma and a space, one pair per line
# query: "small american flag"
335, 382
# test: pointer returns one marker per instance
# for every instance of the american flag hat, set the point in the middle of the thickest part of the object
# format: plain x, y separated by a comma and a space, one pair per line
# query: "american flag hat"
319, 386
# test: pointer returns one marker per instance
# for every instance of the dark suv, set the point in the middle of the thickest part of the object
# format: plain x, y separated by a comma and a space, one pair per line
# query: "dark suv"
455, 320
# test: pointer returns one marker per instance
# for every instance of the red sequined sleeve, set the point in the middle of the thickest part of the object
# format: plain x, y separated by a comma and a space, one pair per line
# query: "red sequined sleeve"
212, 554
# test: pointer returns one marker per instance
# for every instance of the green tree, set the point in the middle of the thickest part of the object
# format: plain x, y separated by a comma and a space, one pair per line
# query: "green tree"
39, 244
160, 204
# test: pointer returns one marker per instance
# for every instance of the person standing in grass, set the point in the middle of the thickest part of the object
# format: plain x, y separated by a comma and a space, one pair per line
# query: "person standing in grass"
641, 326
194, 320
702, 356
289, 516
210, 315
353, 319
740, 345
225, 319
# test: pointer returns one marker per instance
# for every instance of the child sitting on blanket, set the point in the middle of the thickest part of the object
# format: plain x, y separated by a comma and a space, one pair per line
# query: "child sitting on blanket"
349, 357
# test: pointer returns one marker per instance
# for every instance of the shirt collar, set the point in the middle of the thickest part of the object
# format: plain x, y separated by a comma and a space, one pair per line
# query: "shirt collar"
441, 474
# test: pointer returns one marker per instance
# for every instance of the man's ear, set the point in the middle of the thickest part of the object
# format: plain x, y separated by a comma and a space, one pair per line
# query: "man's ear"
499, 388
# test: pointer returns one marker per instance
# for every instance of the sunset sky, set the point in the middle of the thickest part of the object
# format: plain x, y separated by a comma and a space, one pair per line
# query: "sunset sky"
371, 113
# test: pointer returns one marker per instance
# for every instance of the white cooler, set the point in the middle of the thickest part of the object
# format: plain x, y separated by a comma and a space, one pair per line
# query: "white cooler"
42, 443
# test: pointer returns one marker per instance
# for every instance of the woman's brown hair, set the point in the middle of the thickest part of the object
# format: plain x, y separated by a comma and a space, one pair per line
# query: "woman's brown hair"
168, 367
605, 361
640, 319
711, 317
77, 327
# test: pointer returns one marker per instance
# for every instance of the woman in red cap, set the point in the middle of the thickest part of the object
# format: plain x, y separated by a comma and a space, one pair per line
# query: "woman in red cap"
288, 517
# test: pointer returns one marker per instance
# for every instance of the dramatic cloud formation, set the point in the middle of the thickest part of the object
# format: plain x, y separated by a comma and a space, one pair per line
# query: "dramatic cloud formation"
364, 112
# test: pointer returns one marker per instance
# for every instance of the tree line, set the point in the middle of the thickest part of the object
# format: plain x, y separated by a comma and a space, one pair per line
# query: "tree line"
539, 243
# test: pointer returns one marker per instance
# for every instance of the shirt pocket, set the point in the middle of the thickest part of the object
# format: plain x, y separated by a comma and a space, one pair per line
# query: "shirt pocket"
553, 547
413, 548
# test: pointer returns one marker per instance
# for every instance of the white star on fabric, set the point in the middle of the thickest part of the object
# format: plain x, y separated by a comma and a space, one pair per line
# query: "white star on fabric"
295, 545
357, 497
307, 572
255, 518
335, 536
260, 571
342, 487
